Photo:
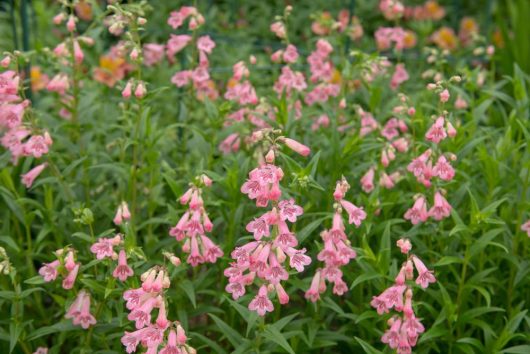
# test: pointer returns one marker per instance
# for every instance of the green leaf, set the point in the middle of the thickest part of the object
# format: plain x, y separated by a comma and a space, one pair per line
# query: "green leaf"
189, 289
273, 334
367, 347
231, 334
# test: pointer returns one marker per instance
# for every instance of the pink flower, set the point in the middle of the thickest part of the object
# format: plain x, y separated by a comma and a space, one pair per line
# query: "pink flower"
261, 303
291, 54
418, 213
289, 210
205, 44
103, 248
441, 208
298, 259
181, 78
278, 29
11, 114
526, 227
126, 93
41, 350
436, 132
153, 53
443, 169
317, 287
122, 214
29, 178
69, 281
122, 270
140, 90
59, 83
391, 336
48, 271
356, 215
444, 96
37, 146
404, 245
367, 181
79, 311
425, 276
297, 147
176, 43
400, 76
460, 103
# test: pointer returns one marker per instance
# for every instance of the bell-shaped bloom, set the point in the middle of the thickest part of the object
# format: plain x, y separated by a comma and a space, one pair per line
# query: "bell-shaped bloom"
261, 303
441, 208
425, 275
122, 270
29, 178
418, 212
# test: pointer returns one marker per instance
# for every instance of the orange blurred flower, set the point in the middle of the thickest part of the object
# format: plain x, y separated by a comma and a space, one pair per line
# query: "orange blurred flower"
111, 69
83, 9
468, 29
445, 38
38, 79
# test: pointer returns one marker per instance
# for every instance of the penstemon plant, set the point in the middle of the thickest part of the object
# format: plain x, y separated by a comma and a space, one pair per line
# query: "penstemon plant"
188, 178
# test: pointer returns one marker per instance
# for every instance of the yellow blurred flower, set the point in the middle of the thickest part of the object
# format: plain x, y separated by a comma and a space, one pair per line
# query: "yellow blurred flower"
38, 79
445, 38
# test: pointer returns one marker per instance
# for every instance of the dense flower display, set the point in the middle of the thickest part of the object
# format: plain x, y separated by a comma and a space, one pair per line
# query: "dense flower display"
228, 127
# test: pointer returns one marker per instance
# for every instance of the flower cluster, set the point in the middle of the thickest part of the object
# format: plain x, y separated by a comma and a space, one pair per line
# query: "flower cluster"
65, 265
263, 259
424, 171
323, 74
396, 141
141, 302
405, 328
199, 76
337, 250
16, 137
324, 24
104, 248
194, 224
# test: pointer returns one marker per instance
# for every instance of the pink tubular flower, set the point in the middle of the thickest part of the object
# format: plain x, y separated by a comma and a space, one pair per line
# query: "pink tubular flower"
122, 270
79, 311
404, 245
29, 178
444, 96
103, 248
441, 208
122, 214
443, 169
418, 213
400, 76
425, 276
356, 214
278, 28
291, 54
317, 287
261, 303
69, 281
367, 181
526, 227
41, 350
48, 271
153, 53
205, 44
391, 336
193, 225
297, 147
436, 132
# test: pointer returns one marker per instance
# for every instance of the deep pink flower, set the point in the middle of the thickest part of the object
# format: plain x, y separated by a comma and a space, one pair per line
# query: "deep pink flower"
441, 208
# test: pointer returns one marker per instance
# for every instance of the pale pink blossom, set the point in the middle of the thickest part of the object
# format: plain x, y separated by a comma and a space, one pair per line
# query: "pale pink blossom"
29, 178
